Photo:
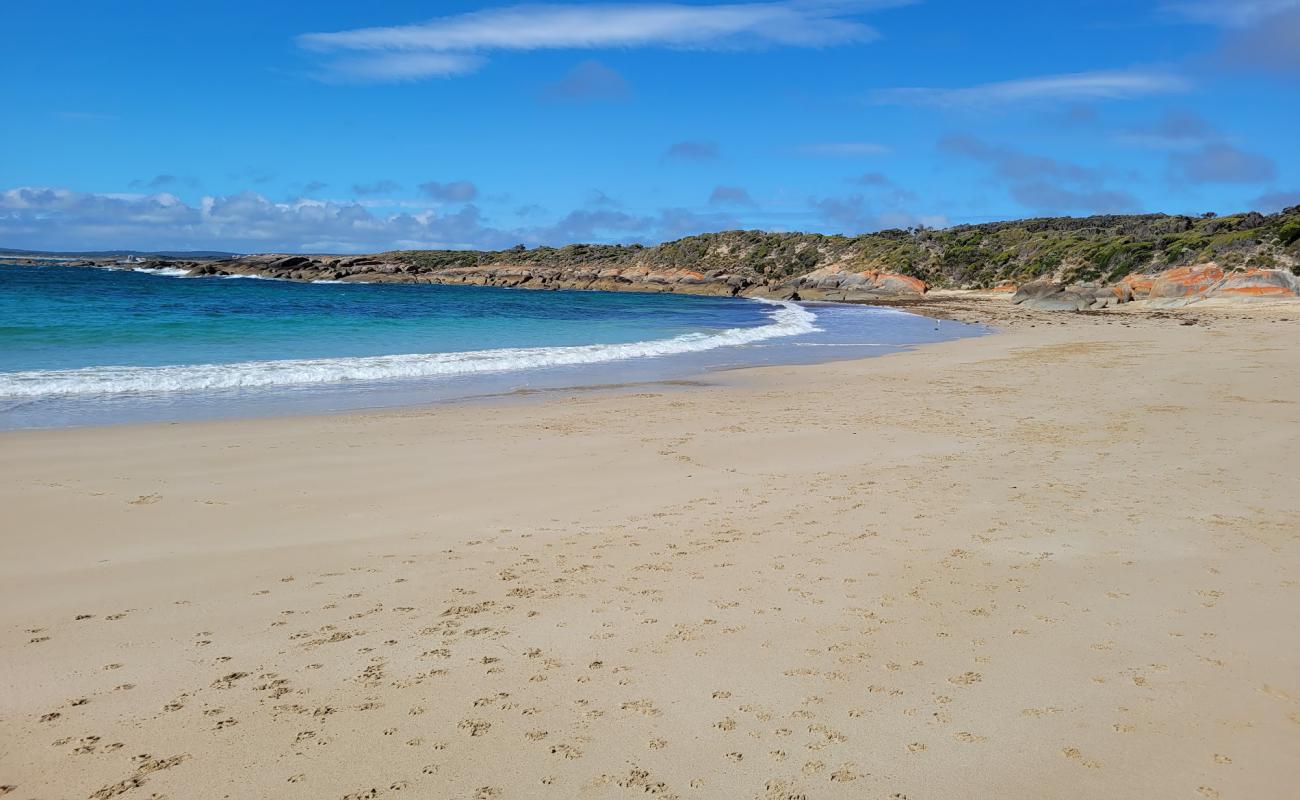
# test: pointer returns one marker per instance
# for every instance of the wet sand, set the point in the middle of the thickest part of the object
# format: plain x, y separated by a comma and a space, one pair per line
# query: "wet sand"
1058, 562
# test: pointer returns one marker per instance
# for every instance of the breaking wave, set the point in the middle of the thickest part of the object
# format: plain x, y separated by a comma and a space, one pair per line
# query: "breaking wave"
786, 319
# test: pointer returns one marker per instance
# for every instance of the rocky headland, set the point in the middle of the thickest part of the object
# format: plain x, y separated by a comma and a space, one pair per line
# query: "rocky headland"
1050, 264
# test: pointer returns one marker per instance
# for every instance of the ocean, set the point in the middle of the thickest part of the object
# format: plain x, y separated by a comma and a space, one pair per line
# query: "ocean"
86, 346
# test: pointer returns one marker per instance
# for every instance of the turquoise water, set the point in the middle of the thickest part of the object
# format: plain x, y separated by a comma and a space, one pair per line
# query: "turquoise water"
90, 346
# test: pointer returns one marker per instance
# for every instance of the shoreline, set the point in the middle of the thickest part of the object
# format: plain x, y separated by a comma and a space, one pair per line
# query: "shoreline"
270, 385
973, 308
1022, 551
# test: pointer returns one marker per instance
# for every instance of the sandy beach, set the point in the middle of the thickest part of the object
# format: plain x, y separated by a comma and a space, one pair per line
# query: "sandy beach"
1060, 561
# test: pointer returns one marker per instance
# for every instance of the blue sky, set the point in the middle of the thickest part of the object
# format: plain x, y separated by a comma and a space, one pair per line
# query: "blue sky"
346, 127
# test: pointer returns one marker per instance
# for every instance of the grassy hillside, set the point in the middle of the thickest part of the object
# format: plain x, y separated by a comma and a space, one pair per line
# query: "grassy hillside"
1075, 249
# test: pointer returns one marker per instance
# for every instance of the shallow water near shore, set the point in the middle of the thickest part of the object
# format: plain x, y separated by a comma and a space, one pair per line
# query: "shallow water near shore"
85, 346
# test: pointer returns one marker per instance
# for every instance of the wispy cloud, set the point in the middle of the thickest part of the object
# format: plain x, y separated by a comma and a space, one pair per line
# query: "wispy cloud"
841, 149
1072, 87
1260, 35
163, 181
588, 82
1229, 13
382, 186
693, 150
598, 198
1198, 151
453, 192
1220, 162
730, 196
1276, 201
789, 23
1042, 183
1272, 46
854, 214
885, 190
398, 67
1175, 129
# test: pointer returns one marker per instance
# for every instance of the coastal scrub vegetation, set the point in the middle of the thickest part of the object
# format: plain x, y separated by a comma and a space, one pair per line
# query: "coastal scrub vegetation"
1098, 248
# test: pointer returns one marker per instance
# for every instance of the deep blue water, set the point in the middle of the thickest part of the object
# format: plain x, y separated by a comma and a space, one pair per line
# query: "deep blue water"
90, 346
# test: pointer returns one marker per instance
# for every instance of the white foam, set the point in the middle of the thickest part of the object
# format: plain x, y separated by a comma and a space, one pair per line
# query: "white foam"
169, 272
787, 319
256, 278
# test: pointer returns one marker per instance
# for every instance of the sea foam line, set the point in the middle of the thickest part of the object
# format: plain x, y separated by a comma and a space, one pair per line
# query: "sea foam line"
167, 272
787, 319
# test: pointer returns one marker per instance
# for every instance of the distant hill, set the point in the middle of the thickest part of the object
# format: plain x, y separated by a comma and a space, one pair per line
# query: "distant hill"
203, 255
1099, 248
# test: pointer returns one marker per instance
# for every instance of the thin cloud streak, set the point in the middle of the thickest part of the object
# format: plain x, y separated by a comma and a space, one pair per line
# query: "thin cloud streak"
446, 45
399, 67
1123, 85
537, 27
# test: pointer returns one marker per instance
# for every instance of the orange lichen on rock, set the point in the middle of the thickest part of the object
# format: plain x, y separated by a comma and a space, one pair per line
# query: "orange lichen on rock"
1139, 284
1183, 282
1264, 283
895, 282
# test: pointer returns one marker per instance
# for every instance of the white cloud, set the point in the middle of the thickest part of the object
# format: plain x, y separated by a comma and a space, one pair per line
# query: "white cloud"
398, 67
793, 23
1105, 85
61, 219
64, 219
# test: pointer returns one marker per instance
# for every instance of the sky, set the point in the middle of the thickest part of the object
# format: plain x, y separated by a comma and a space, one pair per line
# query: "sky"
352, 127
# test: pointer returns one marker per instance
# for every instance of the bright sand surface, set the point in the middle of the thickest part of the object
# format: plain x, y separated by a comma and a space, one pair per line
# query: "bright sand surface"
1058, 562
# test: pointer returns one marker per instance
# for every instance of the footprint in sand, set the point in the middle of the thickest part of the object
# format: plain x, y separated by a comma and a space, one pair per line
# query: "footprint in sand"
475, 727
145, 500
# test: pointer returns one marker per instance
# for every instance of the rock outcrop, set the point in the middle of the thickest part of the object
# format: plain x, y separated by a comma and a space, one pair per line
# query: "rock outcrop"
1050, 296
1183, 285
831, 283
381, 269
842, 283
1172, 288
1258, 284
